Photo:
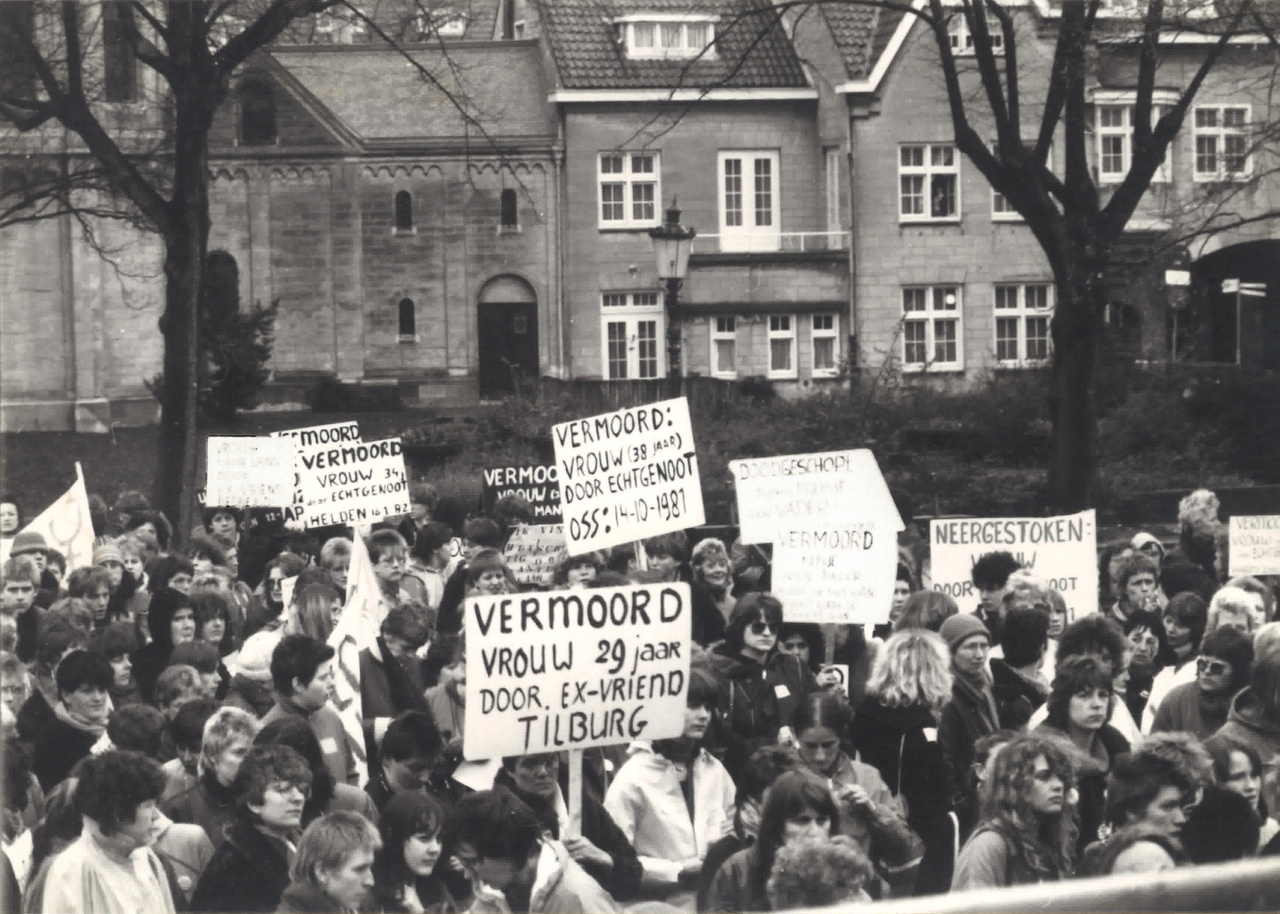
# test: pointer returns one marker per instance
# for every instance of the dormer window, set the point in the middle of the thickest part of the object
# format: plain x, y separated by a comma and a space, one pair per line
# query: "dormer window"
962, 40
667, 36
444, 22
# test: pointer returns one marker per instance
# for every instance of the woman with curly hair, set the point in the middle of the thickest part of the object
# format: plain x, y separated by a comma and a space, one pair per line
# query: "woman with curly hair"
926, 609
1027, 833
910, 684
713, 594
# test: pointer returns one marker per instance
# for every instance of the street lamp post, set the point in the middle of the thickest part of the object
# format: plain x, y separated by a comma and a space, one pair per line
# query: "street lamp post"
671, 245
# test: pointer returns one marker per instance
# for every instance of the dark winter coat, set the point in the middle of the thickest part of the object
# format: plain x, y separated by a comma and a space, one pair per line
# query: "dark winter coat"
305, 898
58, 746
249, 872
1091, 780
250, 695
1189, 708
707, 619
756, 701
1016, 699
207, 804
962, 724
735, 885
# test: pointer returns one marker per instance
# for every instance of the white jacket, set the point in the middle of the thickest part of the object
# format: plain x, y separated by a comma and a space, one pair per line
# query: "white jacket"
646, 802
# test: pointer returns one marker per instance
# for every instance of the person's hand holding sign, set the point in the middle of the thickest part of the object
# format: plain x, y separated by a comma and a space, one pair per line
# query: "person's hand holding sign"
582, 850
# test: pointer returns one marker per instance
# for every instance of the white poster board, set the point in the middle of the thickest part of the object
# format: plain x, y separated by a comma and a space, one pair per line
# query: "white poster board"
354, 484
308, 441
1063, 550
797, 491
249, 471
839, 575
533, 551
628, 475
1254, 544
576, 668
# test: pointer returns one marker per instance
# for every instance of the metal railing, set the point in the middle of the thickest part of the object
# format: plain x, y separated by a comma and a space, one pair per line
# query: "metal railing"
793, 242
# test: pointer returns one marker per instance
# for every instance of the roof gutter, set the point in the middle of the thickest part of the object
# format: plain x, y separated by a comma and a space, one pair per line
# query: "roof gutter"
582, 96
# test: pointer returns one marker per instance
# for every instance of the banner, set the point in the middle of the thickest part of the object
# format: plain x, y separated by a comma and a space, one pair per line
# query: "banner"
577, 668
1254, 544
840, 575
66, 525
1063, 550
799, 491
308, 441
628, 475
533, 551
248, 471
539, 485
357, 629
354, 484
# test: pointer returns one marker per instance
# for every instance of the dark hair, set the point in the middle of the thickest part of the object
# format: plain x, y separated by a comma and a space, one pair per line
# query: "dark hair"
55, 635
408, 624
483, 532
752, 607
1136, 779
1094, 634
164, 529
1220, 749
116, 640
297, 734
985, 744
165, 603
674, 544
164, 568
264, 765
407, 813
764, 767
137, 727
1178, 576
823, 709
1023, 636
812, 635
992, 569
203, 547
297, 657
187, 726
1236, 648
199, 654
382, 542
17, 774
1073, 676
1151, 621
704, 688
61, 825
80, 668
10, 499
1189, 611
211, 511
83, 581
792, 793
496, 824
412, 734
431, 537
114, 784
1221, 827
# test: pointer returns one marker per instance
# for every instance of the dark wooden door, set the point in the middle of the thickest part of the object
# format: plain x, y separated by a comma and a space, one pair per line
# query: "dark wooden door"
508, 346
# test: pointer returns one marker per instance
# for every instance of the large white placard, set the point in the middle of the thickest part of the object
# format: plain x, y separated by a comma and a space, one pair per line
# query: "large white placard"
806, 491
533, 551
1255, 544
1062, 549
576, 668
356, 483
306, 441
628, 475
839, 575
249, 471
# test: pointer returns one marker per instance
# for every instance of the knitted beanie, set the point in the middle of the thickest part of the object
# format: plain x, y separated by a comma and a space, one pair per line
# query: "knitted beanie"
28, 541
959, 627
107, 551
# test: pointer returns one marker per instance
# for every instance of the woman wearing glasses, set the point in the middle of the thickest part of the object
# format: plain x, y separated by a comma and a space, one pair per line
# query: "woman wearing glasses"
760, 686
250, 870
1222, 670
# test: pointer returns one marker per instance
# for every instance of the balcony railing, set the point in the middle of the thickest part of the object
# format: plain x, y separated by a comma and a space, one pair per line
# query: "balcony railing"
791, 242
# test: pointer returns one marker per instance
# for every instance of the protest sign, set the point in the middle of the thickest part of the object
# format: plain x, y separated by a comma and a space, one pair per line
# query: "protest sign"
244, 471
574, 669
1254, 544
539, 485
1062, 550
811, 491
533, 551
355, 483
628, 475
841, 574
306, 442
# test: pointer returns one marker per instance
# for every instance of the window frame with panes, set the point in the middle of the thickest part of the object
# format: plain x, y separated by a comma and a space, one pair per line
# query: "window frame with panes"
1020, 307
627, 181
1221, 133
755, 223
827, 333
925, 320
1105, 134
633, 312
962, 43
930, 174
774, 332
722, 329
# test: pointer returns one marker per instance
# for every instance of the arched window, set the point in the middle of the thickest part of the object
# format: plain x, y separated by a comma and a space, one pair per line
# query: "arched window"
404, 211
257, 114
510, 213
408, 325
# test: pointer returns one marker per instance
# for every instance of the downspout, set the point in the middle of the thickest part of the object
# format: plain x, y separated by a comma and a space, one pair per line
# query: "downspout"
855, 335
71, 363
559, 156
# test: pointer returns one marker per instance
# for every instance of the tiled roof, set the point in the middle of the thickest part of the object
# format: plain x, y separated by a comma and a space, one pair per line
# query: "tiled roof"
379, 95
752, 49
862, 33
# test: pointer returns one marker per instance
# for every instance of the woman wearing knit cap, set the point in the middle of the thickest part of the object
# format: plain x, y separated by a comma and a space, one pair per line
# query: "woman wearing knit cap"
972, 713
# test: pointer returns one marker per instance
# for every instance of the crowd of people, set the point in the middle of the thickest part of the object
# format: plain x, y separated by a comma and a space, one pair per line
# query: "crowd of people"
171, 744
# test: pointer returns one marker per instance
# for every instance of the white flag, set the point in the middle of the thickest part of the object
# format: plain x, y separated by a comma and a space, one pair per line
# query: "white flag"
356, 630
67, 526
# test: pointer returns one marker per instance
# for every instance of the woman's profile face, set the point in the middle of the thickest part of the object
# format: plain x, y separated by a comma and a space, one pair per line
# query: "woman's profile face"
422, 853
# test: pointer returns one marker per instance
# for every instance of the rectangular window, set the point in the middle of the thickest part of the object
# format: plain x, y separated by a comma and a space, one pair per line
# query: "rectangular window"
782, 346
1222, 143
628, 189
1115, 143
835, 205
931, 338
724, 347
749, 214
1001, 209
1022, 314
962, 35
928, 183
826, 345
632, 329
119, 76
670, 36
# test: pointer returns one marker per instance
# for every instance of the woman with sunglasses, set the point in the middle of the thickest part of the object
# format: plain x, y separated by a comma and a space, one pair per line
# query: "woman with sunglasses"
600, 847
760, 686
1222, 670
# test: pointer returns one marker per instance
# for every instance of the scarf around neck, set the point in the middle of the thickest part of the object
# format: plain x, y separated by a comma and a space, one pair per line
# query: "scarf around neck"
65, 715
978, 693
